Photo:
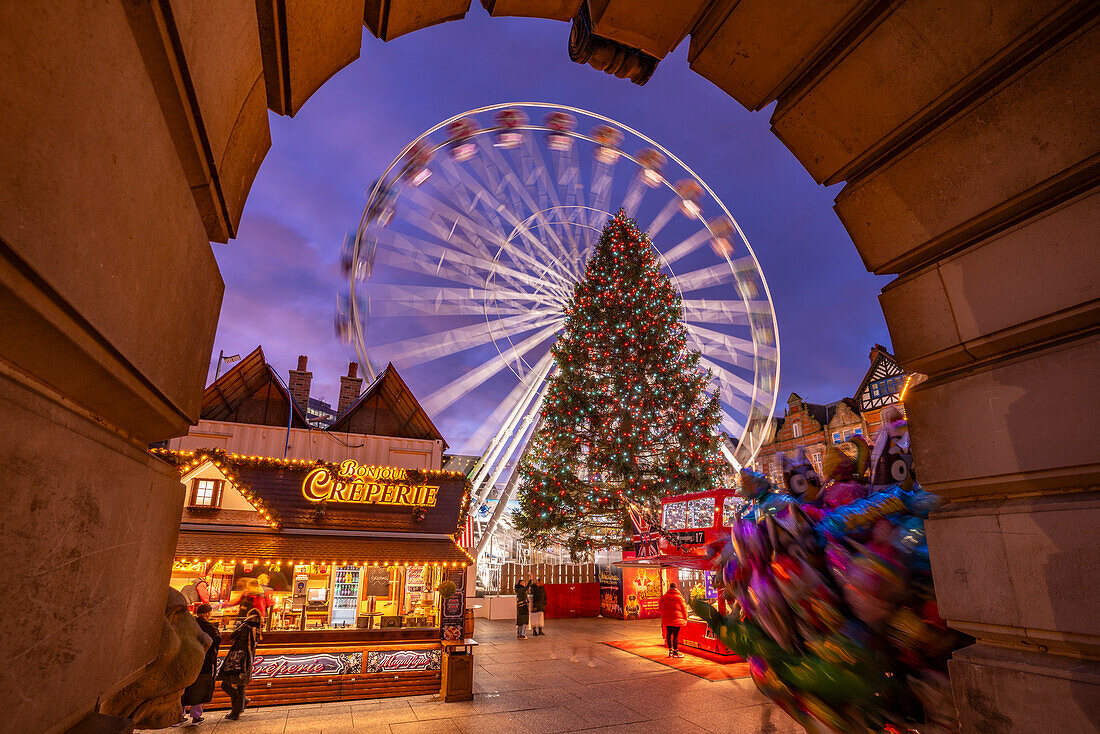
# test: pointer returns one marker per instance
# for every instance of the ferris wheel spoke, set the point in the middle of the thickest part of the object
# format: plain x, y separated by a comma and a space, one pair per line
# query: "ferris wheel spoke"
519, 254
732, 344
474, 268
709, 310
538, 213
444, 397
663, 217
576, 257
446, 342
603, 176
568, 172
424, 256
460, 301
497, 424
728, 378
704, 277
732, 427
685, 246
634, 194
499, 212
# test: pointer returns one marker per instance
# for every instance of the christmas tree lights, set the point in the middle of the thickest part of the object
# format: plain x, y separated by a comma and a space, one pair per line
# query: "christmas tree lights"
627, 418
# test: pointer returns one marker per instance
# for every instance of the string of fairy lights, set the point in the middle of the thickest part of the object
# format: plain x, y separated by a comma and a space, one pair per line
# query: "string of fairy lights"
627, 416
226, 462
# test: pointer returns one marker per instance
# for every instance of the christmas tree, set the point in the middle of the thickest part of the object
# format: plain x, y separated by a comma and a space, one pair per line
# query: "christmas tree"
627, 418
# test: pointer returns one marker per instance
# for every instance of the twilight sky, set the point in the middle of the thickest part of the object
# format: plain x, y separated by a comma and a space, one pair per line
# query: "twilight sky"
281, 273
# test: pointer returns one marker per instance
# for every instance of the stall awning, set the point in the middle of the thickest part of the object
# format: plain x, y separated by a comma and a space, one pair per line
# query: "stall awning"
216, 546
697, 562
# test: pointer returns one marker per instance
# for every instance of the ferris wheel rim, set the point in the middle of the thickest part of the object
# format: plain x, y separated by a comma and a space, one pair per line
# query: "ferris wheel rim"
384, 180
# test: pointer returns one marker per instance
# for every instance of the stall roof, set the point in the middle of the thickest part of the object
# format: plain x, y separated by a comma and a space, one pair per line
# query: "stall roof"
281, 489
389, 391
699, 563
317, 548
223, 397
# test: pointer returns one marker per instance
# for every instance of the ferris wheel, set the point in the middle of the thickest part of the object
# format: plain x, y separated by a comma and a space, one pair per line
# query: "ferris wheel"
470, 243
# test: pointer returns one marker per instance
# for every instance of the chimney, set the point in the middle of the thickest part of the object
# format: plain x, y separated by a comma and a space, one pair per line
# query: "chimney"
299, 384
350, 387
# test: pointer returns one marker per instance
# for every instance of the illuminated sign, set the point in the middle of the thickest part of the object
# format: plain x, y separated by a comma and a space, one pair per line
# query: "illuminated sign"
370, 485
298, 665
398, 661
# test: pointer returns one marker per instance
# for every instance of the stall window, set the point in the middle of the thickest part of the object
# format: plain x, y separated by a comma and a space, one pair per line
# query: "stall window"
674, 516
700, 513
730, 507
206, 493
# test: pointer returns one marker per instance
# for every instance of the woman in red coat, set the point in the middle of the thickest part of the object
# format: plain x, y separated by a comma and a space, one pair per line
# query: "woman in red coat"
674, 614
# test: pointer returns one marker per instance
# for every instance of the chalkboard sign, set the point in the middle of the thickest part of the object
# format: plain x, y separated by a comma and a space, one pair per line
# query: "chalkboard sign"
378, 582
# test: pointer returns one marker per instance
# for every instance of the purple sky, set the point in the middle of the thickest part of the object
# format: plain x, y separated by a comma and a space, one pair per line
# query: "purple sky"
281, 273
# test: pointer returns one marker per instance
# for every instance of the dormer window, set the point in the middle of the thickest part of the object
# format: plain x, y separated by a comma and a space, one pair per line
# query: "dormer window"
206, 493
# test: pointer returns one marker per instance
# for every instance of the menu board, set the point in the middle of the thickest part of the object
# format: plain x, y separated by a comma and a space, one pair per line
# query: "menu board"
611, 590
454, 607
414, 584
378, 582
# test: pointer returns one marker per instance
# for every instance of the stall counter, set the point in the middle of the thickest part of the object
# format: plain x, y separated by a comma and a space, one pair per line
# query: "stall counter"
699, 639
332, 671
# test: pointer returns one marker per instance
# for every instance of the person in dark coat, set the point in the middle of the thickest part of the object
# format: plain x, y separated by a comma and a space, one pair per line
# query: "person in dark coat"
202, 690
522, 608
236, 671
538, 607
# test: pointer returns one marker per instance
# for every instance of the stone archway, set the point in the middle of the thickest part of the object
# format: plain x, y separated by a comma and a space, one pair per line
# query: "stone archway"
967, 138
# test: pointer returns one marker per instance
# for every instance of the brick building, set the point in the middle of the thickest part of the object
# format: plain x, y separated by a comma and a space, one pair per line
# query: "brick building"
815, 427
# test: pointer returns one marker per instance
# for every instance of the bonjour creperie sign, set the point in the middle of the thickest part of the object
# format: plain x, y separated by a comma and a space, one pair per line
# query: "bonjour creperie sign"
368, 485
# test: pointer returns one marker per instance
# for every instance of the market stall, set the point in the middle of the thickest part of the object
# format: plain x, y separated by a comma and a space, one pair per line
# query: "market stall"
354, 570
693, 526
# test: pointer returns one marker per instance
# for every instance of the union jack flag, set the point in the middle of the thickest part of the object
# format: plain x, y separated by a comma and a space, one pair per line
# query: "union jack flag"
645, 538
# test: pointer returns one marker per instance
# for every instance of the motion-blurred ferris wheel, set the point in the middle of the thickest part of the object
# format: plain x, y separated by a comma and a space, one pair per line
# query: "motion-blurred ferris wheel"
471, 241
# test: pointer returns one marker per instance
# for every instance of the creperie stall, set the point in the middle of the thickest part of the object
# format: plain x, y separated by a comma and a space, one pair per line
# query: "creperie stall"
348, 564
692, 529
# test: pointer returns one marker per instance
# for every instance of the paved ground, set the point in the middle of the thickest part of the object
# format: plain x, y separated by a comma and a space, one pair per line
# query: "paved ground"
563, 682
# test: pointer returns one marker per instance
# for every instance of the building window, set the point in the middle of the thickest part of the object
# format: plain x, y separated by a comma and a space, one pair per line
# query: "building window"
889, 386
797, 429
837, 438
857, 432
206, 493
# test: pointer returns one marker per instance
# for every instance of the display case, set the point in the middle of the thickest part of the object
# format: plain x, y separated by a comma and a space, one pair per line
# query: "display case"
345, 596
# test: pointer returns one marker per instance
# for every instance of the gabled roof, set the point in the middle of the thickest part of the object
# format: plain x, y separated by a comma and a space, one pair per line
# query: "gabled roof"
401, 410
821, 413
224, 397
878, 353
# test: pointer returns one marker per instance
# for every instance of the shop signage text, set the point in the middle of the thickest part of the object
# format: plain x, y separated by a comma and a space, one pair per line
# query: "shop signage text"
370, 485
295, 666
395, 661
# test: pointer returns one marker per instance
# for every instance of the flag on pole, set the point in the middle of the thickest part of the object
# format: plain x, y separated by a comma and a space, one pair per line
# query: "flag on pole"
231, 359
468, 533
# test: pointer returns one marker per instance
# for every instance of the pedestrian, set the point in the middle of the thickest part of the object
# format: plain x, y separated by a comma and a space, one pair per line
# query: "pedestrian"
538, 607
236, 670
522, 609
196, 592
202, 690
251, 596
674, 614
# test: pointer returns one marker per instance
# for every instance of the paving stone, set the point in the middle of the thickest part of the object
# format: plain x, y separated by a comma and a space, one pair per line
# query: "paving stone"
566, 682
436, 726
